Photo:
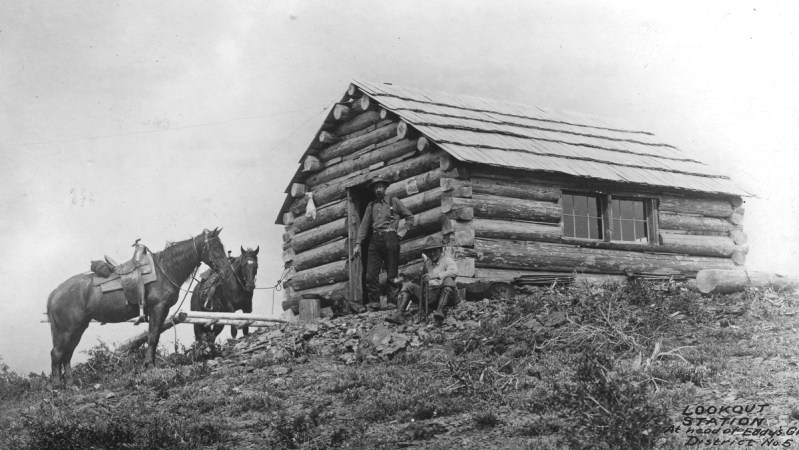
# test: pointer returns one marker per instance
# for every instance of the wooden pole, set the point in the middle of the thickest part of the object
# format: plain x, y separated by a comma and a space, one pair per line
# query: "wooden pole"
729, 281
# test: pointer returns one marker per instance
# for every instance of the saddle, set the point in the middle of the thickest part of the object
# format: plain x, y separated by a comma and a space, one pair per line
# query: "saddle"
130, 276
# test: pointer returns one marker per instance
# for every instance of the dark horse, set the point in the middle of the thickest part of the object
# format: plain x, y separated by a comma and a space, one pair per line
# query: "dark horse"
73, 304
227, 292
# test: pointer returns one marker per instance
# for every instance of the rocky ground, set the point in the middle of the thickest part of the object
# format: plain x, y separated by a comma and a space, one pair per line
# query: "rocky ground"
580, 367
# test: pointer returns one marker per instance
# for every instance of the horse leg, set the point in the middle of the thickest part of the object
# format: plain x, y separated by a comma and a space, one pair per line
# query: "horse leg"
55, 359
157, 318
246, 309
217, 330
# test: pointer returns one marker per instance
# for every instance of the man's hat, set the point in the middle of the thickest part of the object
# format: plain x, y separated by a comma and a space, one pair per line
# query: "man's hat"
378, 180
433, 244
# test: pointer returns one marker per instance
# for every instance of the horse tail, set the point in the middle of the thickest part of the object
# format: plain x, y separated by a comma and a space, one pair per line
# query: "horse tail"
52, 317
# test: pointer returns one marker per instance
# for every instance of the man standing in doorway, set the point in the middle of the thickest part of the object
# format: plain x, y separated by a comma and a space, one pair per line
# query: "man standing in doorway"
382, 218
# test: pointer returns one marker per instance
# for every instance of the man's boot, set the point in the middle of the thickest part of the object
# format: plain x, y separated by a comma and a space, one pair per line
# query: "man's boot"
399, 316
446, 298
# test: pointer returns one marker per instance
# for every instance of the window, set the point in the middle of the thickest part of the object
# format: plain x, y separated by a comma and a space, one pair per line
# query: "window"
629, 220
582, 216
608, 218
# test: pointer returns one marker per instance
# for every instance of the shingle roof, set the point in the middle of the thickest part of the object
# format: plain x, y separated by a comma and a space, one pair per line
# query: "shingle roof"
506, 134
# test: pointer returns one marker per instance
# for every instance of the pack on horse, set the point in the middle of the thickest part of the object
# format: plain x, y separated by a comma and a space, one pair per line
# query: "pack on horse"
74, 303
227, 292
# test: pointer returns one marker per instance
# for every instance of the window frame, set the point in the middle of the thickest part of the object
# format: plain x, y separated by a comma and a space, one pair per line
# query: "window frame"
605, 200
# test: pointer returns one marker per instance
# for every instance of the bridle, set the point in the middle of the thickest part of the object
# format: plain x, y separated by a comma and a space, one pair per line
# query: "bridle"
236, 272
201, 253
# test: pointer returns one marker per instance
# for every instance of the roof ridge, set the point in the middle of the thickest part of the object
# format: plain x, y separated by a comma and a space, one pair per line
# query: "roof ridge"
494, 111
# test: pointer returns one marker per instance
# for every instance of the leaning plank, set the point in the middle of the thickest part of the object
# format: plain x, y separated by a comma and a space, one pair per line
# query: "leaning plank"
728, 281
323, 254
505, 254
311, 238
671, 221
705, 207
138, 340
321, 275
496, 207
348, 146
327, 293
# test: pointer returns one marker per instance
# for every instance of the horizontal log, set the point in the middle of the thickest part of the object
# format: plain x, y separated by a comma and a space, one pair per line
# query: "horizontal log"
239, 324
461, 238
739, 237
323, 254
720, 246
505, 254
515, 188
342, 112
423, 144
495, 207
405, 170
297, 190
737, 216
311, 164
288, 218
288, 255
354, 144
414, 185
463, 213
425, 222
738, 257
483, 275
447, 162
358, 123
326, 137
515, 230
729, 281
705, 207
320, 275
315, 236
423, 200
324, 214
348, 166
671, 221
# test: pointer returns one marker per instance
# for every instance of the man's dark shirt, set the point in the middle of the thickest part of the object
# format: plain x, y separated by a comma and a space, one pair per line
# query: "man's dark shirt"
378, 217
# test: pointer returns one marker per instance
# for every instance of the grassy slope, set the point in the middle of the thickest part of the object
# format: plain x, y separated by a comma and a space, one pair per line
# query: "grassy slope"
602, 367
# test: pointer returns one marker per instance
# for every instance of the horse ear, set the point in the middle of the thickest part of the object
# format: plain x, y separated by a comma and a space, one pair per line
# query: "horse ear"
256, 250
242, 249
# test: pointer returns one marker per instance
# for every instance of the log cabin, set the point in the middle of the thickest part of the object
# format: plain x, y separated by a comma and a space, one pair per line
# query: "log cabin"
514, 191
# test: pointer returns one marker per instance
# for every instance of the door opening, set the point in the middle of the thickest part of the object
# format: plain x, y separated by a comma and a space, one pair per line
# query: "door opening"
357, 198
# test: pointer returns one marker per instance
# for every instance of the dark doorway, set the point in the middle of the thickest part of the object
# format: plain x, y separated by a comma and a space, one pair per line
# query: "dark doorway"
357, 199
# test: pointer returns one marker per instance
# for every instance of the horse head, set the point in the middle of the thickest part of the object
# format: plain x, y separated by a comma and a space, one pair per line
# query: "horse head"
248, 267
212, 251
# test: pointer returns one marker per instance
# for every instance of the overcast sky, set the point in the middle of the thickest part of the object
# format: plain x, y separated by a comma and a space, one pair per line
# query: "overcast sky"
154, 120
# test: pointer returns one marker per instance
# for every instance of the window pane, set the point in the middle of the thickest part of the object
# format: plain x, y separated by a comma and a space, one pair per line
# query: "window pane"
626, 209
616, 230
568, 226
568, 204
593, 228
639, 210
581, 227
627, 230
615, 209
592, 206
580, 205
640, 231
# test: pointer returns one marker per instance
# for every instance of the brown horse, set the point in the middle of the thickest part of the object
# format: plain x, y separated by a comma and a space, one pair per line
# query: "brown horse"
73, 304
229, 292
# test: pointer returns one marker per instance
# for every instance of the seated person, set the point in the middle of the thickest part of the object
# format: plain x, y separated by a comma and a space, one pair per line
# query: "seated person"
439, 279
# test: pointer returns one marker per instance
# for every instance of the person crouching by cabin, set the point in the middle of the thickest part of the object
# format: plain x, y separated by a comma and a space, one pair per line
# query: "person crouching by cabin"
381, 218
438, 279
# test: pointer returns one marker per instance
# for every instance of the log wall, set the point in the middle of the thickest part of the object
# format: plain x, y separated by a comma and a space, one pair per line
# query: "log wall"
496, 222
362, 145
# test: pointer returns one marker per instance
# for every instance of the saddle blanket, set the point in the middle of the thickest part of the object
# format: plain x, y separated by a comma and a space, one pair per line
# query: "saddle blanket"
113, 283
